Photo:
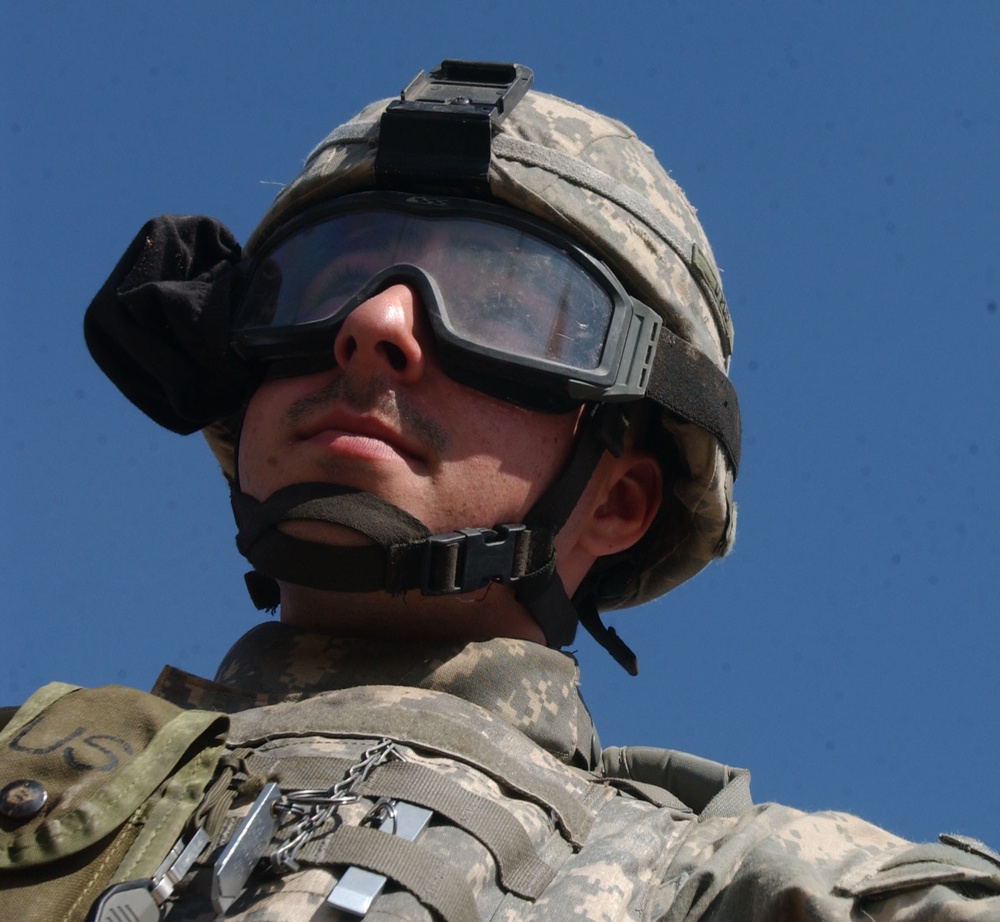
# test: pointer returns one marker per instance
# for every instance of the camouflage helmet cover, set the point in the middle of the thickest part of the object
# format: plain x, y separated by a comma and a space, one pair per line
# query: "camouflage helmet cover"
590, 176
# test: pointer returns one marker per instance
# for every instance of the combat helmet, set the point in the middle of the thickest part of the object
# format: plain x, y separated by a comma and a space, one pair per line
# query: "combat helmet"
592, 178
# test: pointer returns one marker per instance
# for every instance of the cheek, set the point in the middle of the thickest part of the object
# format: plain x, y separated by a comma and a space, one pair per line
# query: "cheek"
512, 456
255, 452
246, 453
526, 443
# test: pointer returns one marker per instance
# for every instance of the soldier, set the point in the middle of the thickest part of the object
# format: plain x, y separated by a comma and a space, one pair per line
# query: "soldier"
467, 383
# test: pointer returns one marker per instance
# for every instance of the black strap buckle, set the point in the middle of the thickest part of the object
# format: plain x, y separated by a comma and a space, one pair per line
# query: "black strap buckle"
466, 560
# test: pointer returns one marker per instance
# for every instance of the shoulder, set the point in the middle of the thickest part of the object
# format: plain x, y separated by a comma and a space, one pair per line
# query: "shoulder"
772, 858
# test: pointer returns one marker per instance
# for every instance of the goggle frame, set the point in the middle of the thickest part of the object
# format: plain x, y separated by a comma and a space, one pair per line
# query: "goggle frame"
549, 385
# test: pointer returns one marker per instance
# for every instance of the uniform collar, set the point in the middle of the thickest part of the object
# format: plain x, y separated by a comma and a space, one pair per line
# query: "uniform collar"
533, 688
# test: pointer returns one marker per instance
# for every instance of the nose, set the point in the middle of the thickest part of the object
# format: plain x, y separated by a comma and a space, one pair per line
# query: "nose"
387, 334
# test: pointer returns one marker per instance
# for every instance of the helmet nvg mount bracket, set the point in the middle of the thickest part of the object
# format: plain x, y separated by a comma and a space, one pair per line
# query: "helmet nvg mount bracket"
437, 136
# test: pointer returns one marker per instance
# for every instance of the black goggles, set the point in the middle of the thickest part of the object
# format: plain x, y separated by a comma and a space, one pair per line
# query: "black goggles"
517, 309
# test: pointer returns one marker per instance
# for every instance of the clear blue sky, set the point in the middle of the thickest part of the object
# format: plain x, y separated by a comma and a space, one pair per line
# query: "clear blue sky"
843, 157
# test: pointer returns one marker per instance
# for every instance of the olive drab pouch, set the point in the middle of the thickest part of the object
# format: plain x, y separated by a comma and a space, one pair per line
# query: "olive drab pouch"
96, 786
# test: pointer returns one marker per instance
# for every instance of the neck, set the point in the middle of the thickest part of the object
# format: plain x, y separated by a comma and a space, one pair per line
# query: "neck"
491, 612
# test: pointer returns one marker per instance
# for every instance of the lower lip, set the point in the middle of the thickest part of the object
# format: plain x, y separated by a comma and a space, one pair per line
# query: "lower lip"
354, 445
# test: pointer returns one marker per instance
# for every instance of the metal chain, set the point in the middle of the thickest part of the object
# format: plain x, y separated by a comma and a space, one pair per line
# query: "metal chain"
317, 806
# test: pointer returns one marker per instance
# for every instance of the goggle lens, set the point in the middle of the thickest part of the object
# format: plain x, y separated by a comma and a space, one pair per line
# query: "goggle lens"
500, 286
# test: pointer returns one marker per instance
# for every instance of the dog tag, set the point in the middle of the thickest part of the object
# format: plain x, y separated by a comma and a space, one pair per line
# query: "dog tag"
245, 849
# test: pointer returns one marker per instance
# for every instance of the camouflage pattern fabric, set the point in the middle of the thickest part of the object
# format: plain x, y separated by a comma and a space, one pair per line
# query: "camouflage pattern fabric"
499, 726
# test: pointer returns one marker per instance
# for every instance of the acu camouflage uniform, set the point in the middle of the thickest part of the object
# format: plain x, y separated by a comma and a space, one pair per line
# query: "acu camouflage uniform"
531, 819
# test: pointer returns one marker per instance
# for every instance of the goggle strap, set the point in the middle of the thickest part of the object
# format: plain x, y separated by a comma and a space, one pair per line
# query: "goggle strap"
689, 384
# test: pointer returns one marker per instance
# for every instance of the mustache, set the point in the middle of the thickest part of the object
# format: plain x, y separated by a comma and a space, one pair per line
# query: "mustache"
374, 396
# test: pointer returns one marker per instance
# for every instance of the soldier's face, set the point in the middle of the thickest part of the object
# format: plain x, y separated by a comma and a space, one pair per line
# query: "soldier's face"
387, 420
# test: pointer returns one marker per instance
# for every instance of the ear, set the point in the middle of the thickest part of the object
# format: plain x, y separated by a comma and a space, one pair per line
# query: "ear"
629, 495
614, 512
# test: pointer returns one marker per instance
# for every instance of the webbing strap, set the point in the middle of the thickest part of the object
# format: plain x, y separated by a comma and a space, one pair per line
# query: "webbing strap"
429, 878
351, 714
687, 382
521, 870
607, 637
659, 797
733, 800
345, 569
404, 555
603, 429
367, 513
597, 433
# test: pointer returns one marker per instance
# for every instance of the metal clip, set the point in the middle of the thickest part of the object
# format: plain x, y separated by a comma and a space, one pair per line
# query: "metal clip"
357, 888
142, 900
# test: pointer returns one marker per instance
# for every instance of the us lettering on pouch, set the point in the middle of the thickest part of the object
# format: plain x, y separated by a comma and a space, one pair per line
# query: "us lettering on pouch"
74, 755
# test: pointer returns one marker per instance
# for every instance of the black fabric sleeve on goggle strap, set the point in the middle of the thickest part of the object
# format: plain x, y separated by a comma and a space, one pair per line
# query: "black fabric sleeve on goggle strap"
159, 326
687, 383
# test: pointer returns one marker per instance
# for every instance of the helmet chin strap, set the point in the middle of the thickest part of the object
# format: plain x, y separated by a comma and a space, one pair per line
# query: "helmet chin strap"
405, 556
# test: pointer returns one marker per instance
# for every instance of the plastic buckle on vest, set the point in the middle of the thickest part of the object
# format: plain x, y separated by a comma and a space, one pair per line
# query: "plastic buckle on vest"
466, 560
